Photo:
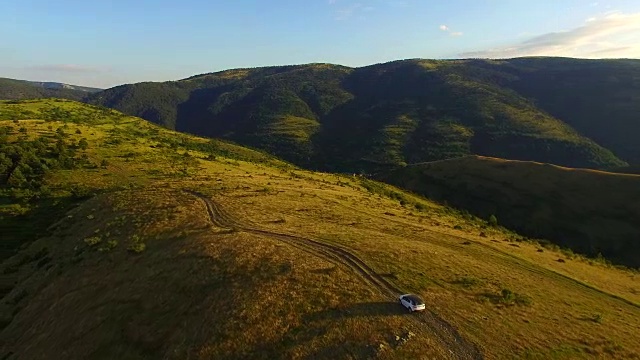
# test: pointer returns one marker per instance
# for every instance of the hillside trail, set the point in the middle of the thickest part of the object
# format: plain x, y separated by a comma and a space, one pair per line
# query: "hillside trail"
459, 348
513, 260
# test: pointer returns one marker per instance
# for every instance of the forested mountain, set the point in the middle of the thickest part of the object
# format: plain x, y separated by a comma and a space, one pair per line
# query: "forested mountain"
11, 89
579, 113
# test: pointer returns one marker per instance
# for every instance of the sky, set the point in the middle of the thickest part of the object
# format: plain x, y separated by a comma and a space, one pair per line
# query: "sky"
108, 43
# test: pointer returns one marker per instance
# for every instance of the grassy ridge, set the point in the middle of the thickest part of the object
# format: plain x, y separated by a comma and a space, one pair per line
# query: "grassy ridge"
381, 116
46, 159
587, 211
138, 270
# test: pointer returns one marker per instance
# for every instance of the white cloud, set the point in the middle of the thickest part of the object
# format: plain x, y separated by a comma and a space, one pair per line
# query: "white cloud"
448, 30
612, 35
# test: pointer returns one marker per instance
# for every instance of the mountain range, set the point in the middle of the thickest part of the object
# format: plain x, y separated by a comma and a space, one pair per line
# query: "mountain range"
570, 112
11, 89
378, 119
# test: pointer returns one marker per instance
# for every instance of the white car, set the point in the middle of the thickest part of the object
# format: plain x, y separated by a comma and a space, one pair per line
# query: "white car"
412, 302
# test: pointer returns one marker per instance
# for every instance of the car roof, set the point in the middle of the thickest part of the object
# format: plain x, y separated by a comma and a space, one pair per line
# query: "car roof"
414, 298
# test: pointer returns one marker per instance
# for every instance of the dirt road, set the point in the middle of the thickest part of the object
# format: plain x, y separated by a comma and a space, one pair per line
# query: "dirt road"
458, 347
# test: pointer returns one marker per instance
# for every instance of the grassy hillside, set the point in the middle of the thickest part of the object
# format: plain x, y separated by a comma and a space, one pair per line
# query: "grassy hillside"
11, 89
372, 118
172, 246
591, 212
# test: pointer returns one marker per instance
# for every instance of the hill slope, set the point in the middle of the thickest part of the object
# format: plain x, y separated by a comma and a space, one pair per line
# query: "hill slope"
590, 212
599, 98
59, 86
166, 245
11, 89
375, 117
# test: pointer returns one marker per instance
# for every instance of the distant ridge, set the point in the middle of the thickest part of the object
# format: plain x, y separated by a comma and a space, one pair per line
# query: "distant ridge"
569, 112
59, 86
591, 212
11, 89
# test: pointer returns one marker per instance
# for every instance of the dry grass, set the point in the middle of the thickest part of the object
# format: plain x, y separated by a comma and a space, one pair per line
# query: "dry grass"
201, 292
432, 260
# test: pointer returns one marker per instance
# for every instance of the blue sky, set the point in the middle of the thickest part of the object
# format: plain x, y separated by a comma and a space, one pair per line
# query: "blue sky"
106, 43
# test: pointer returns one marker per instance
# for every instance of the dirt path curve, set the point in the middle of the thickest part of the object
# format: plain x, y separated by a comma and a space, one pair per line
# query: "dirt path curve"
458, 347
515, 261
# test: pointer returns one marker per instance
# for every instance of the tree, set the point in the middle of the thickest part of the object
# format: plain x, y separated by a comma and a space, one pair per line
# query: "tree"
493, 220
17, 178
5, 165
61, 147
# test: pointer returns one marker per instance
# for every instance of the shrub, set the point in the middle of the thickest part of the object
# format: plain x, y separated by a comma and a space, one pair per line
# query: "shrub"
507, 296
597, 318
137, 245
523, 300
110, 245
468, 281
137, 248
493, 220
91, 241
568, 253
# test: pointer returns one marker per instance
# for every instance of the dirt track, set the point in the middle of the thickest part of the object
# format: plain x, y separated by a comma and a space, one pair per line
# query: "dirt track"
459, 348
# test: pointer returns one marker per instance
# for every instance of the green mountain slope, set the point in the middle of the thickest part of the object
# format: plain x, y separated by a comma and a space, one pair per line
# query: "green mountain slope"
600, 99
131, 241
367, 119
590, 212
11, 89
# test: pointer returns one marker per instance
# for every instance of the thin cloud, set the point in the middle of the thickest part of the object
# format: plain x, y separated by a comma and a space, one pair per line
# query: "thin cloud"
347, 12
448, 30
68, 68
613, 35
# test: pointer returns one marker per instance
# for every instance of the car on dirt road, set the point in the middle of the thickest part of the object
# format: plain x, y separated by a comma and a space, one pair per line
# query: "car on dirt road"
412, 302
